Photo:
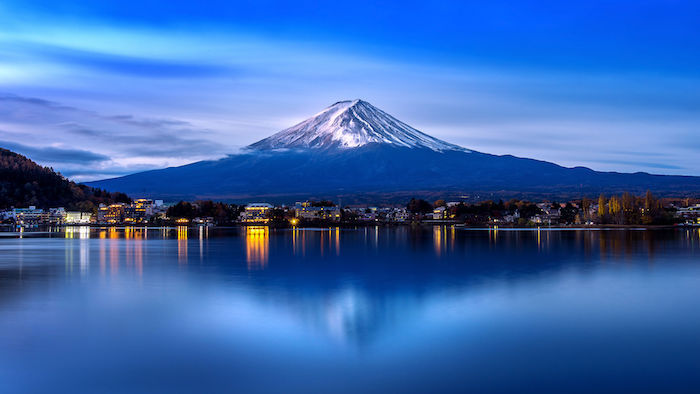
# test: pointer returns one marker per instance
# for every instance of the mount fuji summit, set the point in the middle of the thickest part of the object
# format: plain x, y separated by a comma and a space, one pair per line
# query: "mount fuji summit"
358, 153
352, 124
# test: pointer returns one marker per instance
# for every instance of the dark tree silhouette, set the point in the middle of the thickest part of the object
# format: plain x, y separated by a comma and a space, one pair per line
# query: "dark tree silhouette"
24, 183
419, 206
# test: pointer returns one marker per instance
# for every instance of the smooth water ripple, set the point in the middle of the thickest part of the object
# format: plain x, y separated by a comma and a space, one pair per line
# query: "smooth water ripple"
371, 309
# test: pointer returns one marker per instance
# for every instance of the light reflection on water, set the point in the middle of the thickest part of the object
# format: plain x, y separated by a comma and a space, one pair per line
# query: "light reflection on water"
397, 309
182, 243
257, 244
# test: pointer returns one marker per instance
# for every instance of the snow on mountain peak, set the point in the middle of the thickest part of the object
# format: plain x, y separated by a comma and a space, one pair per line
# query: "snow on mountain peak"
351, 124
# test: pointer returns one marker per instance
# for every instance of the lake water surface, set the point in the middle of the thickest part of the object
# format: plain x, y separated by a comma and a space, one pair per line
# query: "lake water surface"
402, 309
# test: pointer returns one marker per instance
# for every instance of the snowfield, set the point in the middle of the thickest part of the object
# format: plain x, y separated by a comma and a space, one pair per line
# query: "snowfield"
351, 124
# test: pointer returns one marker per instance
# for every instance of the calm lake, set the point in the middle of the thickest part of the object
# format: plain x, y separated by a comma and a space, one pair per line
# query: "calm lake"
350, 310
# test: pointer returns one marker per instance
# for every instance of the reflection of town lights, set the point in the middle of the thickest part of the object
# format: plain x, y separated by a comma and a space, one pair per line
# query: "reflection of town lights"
257, 247
182, 244
181, 232
256, 231
437, 239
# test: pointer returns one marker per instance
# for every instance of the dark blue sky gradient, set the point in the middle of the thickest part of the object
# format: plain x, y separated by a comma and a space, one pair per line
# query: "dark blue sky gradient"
602, 34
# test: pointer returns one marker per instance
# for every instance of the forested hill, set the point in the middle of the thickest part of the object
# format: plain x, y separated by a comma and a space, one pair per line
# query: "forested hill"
24, 183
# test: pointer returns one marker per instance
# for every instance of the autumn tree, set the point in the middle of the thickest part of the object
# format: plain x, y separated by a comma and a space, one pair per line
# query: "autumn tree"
602, 207
628, 208
586, 207
615, 208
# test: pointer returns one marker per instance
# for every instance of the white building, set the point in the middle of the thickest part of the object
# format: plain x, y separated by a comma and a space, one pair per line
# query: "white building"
5, 215
29, 215
512, 218
256, 213
439, 213
399, 215
76, 217
690, 214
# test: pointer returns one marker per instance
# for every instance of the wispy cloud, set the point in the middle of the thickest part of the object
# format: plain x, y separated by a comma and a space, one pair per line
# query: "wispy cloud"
56, 155
647, 164
34, 101
162, 141
114, 63
86, 144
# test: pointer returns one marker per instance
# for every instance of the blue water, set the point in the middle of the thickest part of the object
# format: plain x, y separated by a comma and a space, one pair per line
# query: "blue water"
350, 310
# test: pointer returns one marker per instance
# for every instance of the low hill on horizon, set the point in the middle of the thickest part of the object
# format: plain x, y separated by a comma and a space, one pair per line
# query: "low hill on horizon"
25, 183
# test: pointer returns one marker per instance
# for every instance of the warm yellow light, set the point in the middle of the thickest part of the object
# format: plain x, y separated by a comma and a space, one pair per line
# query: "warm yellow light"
257, 247
294, 221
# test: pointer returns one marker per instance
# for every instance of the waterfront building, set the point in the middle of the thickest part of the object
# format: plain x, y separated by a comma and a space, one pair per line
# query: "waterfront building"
6, 215
512, 218
111, 214
138, 211
690, 214
76, 217
305, 210
33, 216
56, 216
399, 215
204, 221
439, 213
549, 214
368, 214
537, 219
143, 207
30, 216
256, 213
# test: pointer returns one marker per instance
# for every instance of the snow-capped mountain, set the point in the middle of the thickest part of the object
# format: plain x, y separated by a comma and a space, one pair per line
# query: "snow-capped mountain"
352, 124
358, 153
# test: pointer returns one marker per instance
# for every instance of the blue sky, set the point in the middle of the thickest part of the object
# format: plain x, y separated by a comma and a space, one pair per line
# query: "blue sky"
99, 89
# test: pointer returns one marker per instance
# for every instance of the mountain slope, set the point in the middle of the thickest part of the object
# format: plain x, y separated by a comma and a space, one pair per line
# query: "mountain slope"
24, 183
351, 124
354, 151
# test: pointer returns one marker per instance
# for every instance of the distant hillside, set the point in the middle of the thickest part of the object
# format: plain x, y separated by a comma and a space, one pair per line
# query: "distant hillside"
24, 183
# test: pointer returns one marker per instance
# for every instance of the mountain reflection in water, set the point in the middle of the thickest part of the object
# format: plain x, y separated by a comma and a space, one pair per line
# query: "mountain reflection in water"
466, 300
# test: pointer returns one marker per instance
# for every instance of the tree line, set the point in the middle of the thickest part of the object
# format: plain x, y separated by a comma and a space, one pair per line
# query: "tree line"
625, 209
630, 209
24, 183
222, 213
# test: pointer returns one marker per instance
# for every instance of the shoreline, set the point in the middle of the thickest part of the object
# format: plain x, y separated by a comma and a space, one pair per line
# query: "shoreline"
9, 230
